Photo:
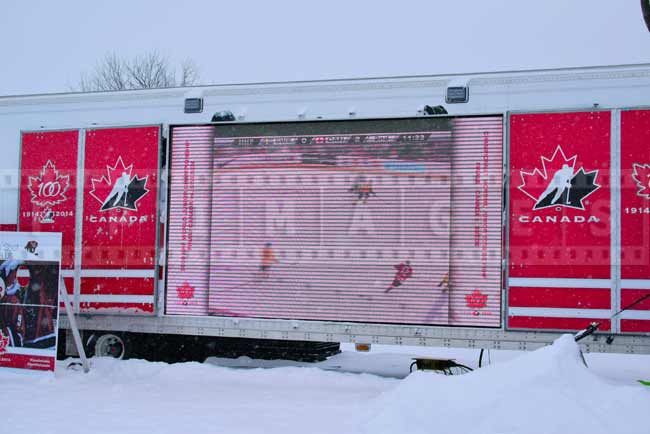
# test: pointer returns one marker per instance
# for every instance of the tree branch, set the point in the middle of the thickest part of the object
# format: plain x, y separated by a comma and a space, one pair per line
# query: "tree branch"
146, 71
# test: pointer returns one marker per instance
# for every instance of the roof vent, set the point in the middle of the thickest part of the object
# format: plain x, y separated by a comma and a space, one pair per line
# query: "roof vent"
457, 94
193, 105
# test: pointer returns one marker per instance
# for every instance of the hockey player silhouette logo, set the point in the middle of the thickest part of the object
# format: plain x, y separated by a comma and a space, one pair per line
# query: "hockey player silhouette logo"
558, 183
119, 188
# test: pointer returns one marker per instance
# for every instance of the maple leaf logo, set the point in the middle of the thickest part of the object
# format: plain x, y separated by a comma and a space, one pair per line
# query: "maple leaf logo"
4, 343
50, 187
185, 292
476, 300
119, 188
558, 183
641, 176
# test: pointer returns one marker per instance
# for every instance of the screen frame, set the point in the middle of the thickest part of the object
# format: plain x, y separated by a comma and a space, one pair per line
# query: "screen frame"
301, 127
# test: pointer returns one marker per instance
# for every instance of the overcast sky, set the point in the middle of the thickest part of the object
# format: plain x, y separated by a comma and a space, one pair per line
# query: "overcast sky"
45, 44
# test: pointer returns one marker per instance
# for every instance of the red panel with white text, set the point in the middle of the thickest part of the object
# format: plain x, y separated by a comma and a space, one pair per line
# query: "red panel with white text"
559, 228
48, 189
48, 180
119, 224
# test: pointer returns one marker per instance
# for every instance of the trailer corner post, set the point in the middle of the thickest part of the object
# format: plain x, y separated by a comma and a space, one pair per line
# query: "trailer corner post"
160, 239
615, 216
79, 210
505, 220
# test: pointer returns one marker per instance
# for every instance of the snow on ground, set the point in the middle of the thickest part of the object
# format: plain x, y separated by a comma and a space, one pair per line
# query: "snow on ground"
546, 391
135, 396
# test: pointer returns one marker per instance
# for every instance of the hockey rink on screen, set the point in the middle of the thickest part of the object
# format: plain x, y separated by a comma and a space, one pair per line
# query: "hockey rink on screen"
307, 243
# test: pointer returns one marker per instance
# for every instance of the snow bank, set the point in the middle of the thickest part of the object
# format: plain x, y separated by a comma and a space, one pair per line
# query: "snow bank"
546, 391
138, 397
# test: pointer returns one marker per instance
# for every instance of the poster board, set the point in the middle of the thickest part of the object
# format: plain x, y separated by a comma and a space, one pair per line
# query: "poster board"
30, 269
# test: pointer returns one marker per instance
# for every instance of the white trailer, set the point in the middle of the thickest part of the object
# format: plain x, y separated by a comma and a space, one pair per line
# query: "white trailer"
497, 296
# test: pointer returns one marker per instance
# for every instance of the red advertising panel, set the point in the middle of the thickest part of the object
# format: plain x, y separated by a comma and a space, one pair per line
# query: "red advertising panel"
559, 228
339, 221
48, 188
30, 266
119, 220
635, 219
48, 192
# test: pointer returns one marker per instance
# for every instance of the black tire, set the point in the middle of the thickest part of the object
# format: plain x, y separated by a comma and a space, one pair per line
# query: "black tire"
109, 344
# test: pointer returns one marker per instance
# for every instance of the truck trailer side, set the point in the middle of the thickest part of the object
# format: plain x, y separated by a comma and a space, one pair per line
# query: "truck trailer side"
491, 210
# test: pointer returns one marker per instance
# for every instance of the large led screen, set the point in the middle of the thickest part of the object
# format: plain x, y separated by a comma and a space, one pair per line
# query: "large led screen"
330, 220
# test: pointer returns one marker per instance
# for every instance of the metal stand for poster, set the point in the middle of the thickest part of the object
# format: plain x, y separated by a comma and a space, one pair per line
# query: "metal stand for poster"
73, 325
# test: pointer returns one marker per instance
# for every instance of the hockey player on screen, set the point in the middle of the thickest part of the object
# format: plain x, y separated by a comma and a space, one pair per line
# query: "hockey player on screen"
404, 271
268, 259
363, 189
444, 283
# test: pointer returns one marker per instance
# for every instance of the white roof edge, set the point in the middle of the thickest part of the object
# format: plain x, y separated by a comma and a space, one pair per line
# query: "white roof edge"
476, 78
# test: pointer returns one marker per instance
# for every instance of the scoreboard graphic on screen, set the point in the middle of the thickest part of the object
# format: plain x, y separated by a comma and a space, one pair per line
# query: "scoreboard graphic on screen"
338, 221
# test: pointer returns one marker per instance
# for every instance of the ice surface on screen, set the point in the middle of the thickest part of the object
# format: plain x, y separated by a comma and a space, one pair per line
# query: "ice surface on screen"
332, 227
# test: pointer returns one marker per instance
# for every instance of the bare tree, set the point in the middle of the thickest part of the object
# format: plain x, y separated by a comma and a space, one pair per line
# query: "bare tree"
645, 9
189, 73
150, 71
147, 71
109, 74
